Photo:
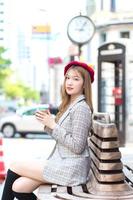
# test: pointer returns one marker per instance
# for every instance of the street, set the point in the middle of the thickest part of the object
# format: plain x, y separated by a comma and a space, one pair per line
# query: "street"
35, 147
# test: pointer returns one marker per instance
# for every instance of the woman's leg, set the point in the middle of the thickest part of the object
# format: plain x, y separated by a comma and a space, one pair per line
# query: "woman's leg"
23, 188
31, 177
7, 190
25, 196
25, 185
30, 168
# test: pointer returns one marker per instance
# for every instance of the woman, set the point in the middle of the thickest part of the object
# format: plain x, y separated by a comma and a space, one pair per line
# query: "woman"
70, 129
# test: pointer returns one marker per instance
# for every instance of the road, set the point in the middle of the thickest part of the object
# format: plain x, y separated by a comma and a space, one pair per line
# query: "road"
24, 148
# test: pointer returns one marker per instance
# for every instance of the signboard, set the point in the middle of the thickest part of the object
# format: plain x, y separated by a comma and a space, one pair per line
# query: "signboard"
54, 61
41, 29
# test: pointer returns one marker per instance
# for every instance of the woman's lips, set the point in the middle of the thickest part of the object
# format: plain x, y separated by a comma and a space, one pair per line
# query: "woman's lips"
69, 88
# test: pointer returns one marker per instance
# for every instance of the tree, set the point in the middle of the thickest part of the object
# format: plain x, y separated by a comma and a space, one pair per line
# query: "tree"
5, 71
29, 93
19, 91
16, 90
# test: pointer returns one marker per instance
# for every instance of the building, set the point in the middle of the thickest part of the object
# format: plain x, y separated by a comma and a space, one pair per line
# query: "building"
4, 23
111, 53
1, 22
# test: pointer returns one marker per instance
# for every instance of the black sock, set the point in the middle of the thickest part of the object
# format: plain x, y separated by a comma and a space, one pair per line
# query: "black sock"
7, 190
25, 196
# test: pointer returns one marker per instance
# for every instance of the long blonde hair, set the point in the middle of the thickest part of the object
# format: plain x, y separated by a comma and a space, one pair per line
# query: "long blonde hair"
87, 91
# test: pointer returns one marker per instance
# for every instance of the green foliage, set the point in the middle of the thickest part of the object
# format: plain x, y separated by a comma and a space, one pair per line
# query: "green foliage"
5, 71
30, 93
19, 90
4, 74
4, 63
14, 90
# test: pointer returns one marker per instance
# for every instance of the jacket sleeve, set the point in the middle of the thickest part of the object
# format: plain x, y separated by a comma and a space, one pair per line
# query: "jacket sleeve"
75, 139
47, 130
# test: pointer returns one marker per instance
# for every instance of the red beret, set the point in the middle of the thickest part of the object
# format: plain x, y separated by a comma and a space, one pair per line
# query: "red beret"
83, 65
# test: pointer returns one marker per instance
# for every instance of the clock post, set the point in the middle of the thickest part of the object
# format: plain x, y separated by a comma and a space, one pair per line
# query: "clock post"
80, 31
79, 50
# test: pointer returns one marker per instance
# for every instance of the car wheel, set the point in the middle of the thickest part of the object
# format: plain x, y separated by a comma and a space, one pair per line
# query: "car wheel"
8, 130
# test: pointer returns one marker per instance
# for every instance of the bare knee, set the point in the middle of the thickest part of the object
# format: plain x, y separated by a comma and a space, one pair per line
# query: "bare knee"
25, 185
18, 186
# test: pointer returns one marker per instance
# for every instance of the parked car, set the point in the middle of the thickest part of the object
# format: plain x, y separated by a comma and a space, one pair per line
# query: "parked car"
7, 107
23, 121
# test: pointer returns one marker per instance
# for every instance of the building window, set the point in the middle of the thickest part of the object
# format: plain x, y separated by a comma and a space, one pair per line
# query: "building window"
103, 37
125, 34
112, 6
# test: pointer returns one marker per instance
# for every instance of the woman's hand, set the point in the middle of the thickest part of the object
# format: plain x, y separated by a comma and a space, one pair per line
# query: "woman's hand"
45, 118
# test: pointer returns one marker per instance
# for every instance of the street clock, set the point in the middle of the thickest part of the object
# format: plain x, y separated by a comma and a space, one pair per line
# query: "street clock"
80, 29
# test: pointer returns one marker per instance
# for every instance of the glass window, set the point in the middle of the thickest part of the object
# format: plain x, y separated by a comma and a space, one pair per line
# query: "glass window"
30, 112
33, 110
103, 37
125, 34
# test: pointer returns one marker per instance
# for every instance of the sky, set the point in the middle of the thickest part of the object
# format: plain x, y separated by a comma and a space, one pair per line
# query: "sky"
57, 12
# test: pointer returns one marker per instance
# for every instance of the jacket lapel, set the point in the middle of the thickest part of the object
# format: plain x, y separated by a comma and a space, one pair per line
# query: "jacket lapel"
80, 98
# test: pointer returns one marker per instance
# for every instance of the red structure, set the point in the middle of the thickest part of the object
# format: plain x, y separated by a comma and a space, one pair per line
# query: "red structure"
2, 165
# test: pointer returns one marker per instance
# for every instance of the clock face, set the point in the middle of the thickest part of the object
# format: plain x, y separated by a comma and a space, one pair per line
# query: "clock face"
80, 29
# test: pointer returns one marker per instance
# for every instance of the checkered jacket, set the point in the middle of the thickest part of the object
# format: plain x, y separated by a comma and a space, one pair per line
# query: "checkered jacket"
71, 133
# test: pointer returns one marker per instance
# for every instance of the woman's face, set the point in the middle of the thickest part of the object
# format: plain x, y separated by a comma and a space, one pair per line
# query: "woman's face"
74, 83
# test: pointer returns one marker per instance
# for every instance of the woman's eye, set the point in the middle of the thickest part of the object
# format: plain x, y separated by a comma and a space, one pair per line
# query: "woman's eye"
67, 77
76, 79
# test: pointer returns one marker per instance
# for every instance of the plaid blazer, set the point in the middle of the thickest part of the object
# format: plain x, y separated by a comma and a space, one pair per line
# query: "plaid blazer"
69, 162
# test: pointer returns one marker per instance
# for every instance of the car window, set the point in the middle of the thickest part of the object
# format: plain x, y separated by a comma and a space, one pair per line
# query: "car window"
30, 112
33, 111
